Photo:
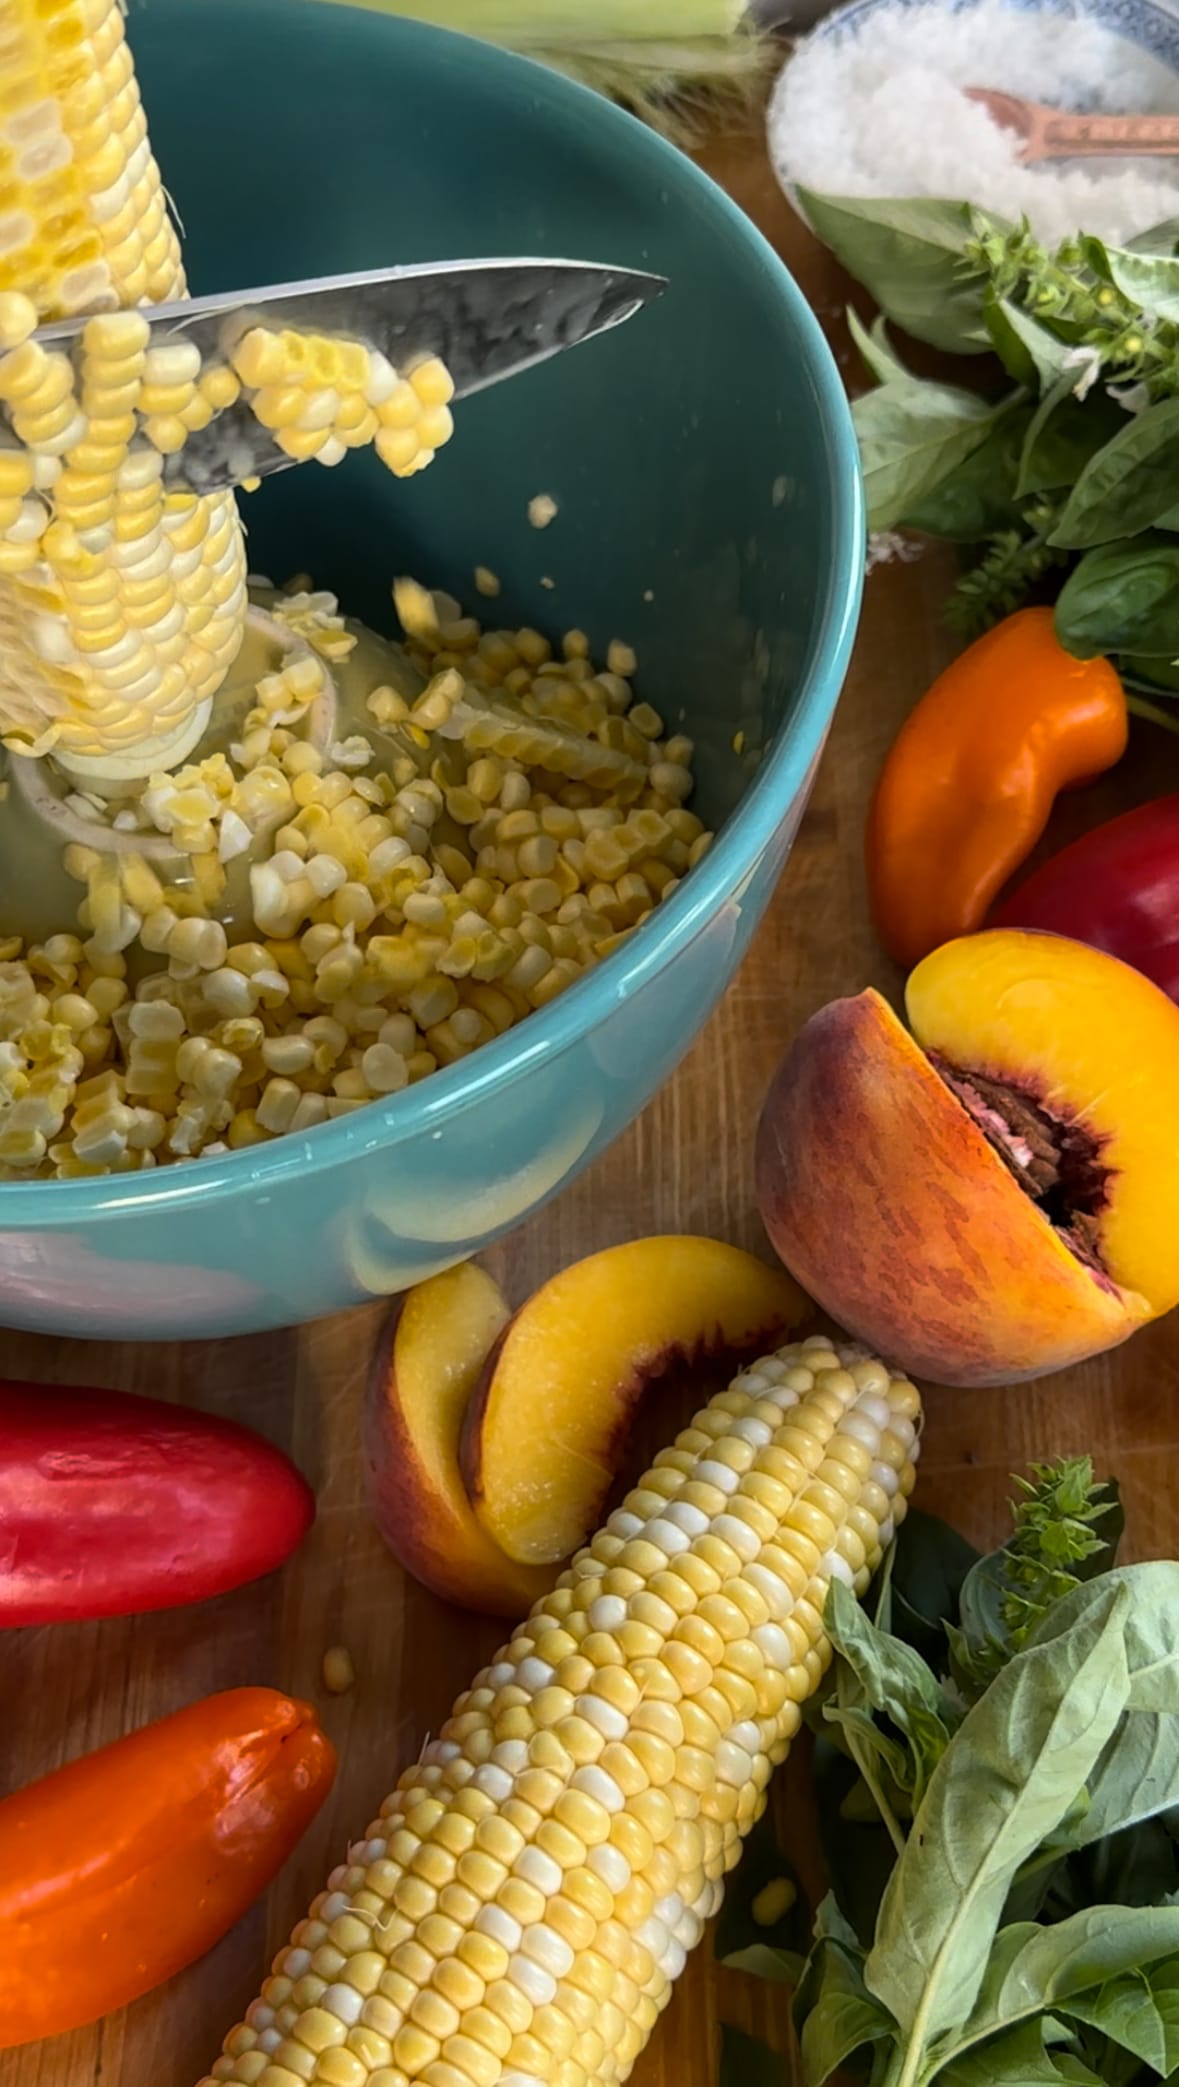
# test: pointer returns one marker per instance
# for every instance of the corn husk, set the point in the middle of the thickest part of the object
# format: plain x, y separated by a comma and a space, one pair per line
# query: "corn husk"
684, 66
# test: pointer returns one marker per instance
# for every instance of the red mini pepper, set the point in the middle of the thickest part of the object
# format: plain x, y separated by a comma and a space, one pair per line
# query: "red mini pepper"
1117, 889
112, 1505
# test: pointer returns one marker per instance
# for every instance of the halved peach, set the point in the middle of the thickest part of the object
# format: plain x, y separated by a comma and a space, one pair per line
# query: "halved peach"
418, 1393
997, 1195
547, 1430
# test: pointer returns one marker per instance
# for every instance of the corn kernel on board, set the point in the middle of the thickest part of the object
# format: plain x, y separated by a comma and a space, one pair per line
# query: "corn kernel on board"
688, 1166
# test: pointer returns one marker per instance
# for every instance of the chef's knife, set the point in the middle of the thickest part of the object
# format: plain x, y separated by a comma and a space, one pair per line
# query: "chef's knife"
485, 319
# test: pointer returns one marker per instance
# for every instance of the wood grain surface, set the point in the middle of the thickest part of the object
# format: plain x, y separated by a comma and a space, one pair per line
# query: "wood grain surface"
685, 1166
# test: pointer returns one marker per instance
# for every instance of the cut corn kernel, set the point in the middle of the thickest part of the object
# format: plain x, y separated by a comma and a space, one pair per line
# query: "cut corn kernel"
521, 1908
389, 940
339, 1674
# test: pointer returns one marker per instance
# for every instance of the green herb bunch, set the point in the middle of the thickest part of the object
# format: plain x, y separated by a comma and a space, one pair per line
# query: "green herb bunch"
997, 1778
1053, 1546
1064, 475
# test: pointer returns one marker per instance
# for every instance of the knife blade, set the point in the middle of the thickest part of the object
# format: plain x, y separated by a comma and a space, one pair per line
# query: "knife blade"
487, 320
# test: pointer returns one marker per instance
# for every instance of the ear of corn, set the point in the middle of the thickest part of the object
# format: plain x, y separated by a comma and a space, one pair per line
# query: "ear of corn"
519, 1911
121, 607
84, 224
122, 603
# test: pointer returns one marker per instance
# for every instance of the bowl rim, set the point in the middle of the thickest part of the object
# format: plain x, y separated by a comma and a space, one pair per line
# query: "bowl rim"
40, 1204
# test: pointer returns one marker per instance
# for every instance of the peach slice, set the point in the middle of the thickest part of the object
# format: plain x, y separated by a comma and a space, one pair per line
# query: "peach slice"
997, 1195
418, 1393
547, 1430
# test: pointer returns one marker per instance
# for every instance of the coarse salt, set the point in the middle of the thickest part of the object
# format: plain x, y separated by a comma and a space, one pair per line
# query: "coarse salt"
888, 547
876, 109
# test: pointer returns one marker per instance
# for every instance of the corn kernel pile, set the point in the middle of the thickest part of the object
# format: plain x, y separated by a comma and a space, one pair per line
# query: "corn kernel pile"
416, 889
346, 916
122, 601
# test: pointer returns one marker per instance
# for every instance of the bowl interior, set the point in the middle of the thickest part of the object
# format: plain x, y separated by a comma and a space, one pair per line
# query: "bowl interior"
698, 455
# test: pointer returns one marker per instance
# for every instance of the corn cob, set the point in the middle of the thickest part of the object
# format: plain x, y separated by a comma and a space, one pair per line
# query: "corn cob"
520, 1910
122, 604
121, 612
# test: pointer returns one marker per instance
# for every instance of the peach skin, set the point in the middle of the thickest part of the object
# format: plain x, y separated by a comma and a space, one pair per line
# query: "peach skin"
997, 1195
426, 1370
546, 1433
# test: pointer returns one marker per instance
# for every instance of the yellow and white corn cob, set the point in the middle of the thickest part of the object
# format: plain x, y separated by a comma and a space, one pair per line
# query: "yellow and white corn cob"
520, 1910
121, 607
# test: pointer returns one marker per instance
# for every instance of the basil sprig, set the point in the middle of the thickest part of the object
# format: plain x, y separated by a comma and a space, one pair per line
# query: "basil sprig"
1012, 1725
1064, 470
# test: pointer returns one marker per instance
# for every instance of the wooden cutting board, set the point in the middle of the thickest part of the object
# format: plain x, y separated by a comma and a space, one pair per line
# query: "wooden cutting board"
685, 1166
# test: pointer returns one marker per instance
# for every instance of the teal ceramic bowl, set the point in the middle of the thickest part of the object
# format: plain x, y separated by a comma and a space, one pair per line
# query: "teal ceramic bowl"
709, 512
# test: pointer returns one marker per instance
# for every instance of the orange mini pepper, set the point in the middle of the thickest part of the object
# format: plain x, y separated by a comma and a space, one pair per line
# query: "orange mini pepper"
972, 776
121, 1868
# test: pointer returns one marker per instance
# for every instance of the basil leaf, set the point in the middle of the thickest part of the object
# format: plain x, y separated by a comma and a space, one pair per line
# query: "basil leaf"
1006, 341
1137, 1775
1149, 280
909, 253
1071, 2068
1123, 598
1061, 1970
1095, 255
1140, 2013
1128, 485
978, 499
912, 436
832, 1924
1063, 435
1029, 353
894, 1680
1152, 676
1109, 1530
779, 1967
876, 350
841, 2017
1018, 2059
1151, 1633
746, 2063
1120, 1845
930, 1561
1013, 1770
869, 1747
1158, 239
981, 1629
1113, 2067
892, 1676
